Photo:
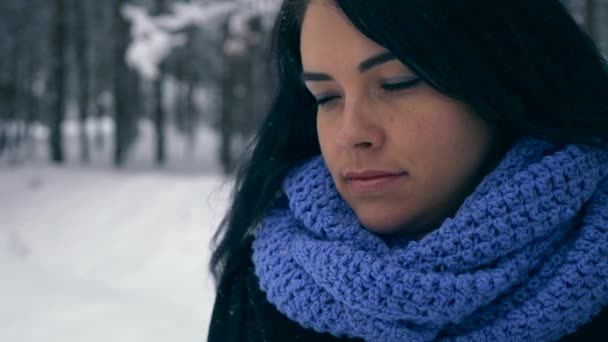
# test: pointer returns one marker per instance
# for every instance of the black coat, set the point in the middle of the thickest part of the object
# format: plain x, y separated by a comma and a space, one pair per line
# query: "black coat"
242, 313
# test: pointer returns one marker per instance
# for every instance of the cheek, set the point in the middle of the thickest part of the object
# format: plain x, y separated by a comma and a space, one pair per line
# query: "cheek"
469, 162
472, 138
333, 155
324, 135
328, 127
448, 145
445, 130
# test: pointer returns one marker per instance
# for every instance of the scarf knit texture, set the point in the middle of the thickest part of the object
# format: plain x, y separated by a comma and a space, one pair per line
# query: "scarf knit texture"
524, 258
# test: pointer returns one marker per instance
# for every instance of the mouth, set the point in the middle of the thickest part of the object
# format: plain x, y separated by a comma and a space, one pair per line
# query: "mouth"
372, 181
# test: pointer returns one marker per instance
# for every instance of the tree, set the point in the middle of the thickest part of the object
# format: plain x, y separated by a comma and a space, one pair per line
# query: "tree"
244, 82
58, 81
185, 65
125, 123
84, 74
159, 95
11, 89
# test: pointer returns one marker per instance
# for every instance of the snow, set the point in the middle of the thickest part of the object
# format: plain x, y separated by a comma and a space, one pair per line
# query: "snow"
89, 253
151, 44
93, 254
154, 37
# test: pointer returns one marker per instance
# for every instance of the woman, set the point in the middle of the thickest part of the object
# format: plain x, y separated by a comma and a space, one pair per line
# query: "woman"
429, 170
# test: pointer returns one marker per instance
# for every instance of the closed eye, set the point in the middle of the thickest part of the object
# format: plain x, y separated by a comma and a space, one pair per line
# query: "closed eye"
323, 100
394, 86
401, 85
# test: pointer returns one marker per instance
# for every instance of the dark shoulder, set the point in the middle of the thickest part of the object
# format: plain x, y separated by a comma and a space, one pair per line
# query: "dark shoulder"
596, 330
242, 313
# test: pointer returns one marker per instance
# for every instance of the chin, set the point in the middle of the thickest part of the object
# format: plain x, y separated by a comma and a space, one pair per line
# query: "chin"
387, 228
395, 226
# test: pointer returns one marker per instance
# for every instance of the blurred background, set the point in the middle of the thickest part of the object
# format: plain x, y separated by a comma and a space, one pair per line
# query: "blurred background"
121, 122
90, 82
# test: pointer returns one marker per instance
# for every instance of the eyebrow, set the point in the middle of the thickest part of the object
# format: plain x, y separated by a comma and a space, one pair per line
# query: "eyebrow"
364, 66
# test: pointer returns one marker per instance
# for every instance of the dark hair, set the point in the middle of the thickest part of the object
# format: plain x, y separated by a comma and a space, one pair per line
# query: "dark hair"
524, 66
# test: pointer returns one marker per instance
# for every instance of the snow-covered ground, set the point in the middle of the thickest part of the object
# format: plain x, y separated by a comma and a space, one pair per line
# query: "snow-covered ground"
89, 254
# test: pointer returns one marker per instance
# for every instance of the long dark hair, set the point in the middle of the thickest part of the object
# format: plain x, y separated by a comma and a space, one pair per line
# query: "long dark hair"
524, 66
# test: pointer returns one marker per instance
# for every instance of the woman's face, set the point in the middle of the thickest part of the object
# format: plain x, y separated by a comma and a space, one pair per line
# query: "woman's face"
401, 154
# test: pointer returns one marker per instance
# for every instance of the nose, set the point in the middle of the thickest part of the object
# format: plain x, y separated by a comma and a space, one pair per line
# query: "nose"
360, 127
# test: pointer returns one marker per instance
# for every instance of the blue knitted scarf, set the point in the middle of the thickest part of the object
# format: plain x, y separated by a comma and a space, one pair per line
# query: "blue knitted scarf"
524, 258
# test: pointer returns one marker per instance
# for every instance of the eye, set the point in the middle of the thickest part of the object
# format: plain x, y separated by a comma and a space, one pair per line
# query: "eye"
401, 84
325, 99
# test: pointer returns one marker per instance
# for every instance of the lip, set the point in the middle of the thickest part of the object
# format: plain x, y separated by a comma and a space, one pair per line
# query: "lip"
372, 181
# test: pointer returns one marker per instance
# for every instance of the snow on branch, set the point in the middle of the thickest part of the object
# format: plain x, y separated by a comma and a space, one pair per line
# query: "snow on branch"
154, 37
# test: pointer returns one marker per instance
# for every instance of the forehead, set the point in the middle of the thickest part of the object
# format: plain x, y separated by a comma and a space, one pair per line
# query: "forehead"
327, 36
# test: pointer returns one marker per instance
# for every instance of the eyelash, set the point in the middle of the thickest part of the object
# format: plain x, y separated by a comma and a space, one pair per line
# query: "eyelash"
324, 100
401, 85
390, 87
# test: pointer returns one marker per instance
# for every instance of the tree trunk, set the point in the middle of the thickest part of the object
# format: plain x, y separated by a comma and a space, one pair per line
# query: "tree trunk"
191, 114
31, 107
14, 95
121, 115
159, 120
228, 109
58, 83
226, 121
159, 109
83, 65
11, 80
102, 49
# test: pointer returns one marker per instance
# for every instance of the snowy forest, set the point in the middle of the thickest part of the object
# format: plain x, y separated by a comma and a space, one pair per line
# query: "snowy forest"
121, 122
85, 81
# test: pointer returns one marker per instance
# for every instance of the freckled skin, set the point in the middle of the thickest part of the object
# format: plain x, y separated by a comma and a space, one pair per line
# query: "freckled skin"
438, 143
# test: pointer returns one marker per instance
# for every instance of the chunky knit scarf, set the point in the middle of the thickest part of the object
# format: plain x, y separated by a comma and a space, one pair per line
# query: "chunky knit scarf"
524, 258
